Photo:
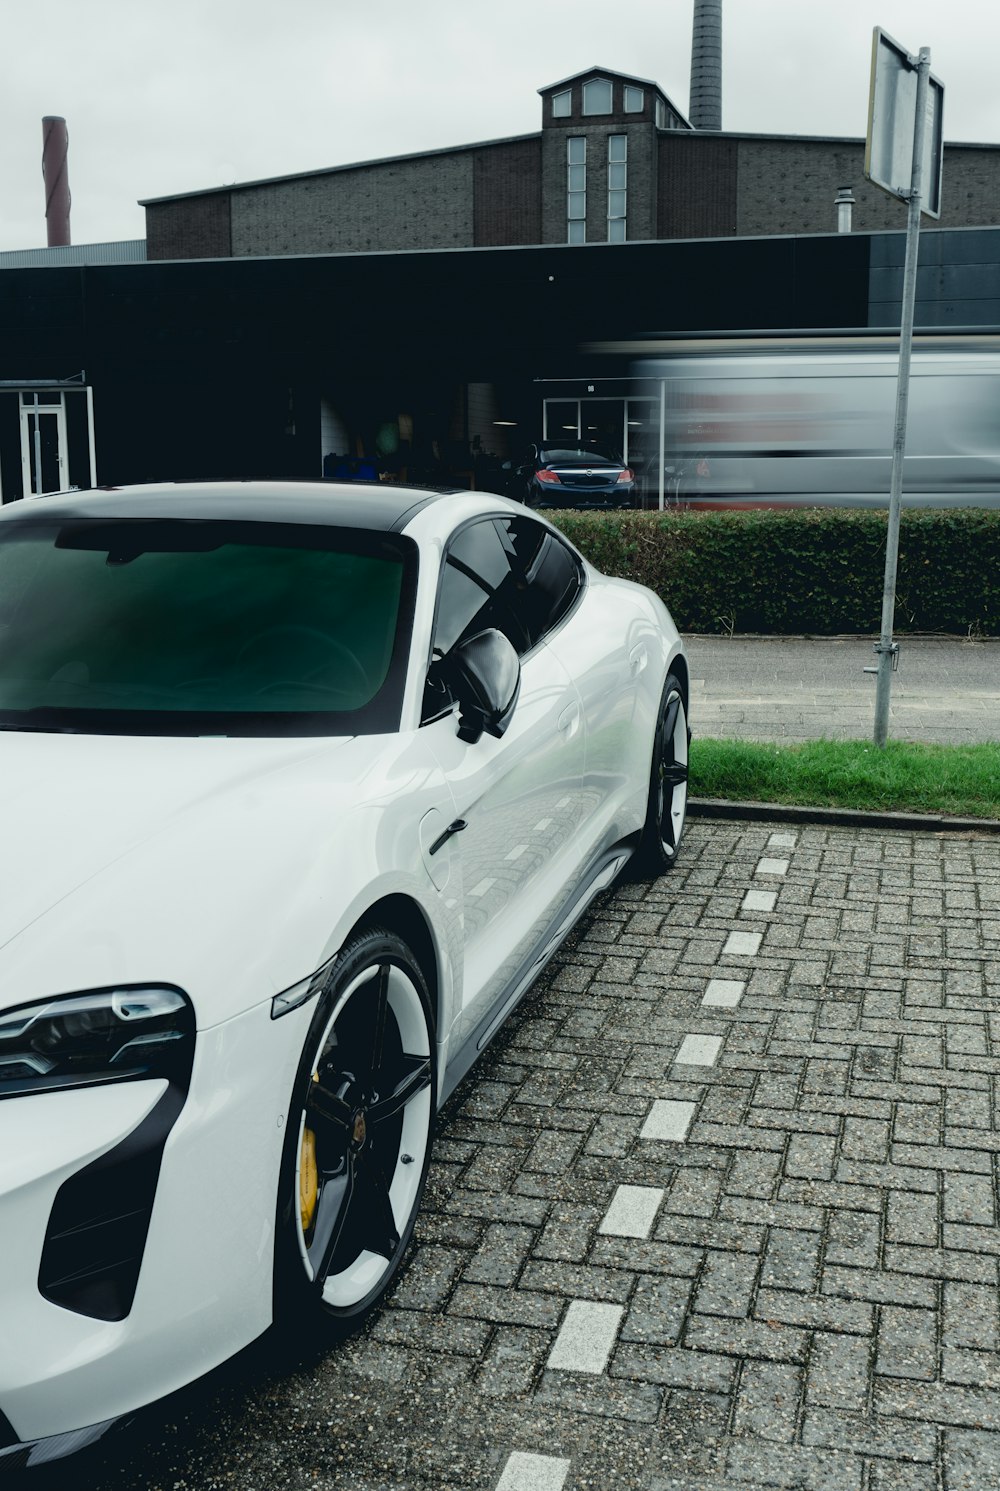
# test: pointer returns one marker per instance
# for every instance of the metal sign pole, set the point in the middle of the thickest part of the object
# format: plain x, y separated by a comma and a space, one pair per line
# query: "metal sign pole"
887, 649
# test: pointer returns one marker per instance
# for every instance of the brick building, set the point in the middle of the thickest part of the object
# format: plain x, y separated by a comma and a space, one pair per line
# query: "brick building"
614, 161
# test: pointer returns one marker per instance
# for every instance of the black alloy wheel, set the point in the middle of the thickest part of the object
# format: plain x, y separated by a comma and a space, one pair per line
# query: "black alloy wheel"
358, 1143
666, 807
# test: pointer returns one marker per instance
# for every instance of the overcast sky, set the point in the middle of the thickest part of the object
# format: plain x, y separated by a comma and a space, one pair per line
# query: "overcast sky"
172, 97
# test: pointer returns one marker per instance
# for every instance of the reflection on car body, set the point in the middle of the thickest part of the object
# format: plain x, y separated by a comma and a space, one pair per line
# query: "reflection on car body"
301, 787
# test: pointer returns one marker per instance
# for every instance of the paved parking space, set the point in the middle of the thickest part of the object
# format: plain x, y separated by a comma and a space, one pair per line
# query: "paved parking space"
717, 1211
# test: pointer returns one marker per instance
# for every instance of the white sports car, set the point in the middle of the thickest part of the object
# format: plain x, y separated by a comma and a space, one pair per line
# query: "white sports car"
300, 787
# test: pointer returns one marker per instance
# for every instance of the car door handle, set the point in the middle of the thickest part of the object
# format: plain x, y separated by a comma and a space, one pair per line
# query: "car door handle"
569, 719
637, 660
442, 839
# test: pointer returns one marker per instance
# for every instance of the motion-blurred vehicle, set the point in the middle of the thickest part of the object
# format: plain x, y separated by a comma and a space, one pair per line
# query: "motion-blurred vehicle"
301, 787
761, 422
556, 474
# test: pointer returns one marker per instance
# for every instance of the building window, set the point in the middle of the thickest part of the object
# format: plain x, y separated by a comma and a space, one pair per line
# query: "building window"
576, 189
661, 114
617, 183
635, 100
562, 104
597, 96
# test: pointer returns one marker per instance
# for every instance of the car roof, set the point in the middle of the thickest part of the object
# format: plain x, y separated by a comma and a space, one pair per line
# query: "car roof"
370, 505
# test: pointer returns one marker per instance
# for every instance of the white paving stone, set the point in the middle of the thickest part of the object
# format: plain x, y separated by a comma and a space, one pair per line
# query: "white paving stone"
772, 867
587, 1335
482, 887
525, 1472
742, 945
725, 993
668, 1119
699, 1050
759, 900
782, 841
632, 1211
516, 852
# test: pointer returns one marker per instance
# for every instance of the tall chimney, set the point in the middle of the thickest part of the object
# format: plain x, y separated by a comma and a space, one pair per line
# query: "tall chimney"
55, 173
705, 107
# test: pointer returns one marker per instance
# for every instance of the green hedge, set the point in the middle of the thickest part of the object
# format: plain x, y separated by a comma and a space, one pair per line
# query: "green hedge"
808, 570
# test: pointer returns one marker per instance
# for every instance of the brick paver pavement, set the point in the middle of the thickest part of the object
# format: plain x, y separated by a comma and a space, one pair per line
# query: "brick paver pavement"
800, 1292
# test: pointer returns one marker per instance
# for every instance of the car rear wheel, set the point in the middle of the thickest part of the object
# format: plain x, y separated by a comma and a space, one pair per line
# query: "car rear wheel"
358, 1143
666, 807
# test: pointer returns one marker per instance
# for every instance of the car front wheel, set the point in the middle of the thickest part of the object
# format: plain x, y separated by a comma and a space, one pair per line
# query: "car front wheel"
358, 1143
666, 806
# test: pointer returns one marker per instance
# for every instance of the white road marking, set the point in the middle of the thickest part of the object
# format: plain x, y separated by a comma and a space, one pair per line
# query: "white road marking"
668, 1119
742, 944
587, 1335
533, 1473
699, 1050
759, 900
772, 867
481, 888
726, 993
632, 1211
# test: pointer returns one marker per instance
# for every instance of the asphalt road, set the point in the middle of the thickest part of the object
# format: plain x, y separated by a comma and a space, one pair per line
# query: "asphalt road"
717, 1211
946, 689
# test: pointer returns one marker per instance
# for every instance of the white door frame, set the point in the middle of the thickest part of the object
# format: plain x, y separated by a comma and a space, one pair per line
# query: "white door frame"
31, 413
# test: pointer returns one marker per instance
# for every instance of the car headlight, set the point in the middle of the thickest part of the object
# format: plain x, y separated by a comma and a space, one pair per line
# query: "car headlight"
97, 1036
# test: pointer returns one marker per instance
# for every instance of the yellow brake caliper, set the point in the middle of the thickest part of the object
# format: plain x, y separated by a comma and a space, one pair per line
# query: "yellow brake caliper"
308, 1176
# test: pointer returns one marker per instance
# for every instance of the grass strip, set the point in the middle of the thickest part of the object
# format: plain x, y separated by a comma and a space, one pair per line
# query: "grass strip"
905, 777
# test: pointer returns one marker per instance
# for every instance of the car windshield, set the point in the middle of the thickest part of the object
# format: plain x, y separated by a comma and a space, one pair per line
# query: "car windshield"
179, 626
582, 454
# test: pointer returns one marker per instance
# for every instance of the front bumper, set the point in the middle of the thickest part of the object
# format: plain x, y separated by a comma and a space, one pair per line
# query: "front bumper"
205, 1284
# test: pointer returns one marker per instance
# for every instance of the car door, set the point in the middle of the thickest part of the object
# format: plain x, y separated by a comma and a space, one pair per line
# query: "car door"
519, 796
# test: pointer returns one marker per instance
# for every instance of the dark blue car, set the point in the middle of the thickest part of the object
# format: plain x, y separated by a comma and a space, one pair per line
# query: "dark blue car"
572, 475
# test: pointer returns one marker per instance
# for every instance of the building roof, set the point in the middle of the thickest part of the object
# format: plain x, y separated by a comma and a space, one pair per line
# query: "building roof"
124, 251
605, 72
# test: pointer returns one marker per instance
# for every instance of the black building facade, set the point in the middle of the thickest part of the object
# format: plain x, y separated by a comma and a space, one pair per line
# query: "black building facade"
431, 366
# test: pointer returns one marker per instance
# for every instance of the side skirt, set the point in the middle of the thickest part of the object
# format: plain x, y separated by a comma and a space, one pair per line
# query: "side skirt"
600, 876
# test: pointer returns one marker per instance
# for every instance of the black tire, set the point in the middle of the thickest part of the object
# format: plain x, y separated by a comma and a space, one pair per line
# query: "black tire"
666, 805
358, 1140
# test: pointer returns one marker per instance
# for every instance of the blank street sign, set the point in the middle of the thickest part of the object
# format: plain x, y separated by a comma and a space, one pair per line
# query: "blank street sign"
892, 102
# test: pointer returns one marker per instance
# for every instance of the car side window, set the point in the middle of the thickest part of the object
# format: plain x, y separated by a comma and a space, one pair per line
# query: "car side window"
547, 575
477, 589
509, 573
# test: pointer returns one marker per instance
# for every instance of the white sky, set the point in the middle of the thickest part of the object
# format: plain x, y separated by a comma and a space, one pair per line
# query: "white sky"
174, 96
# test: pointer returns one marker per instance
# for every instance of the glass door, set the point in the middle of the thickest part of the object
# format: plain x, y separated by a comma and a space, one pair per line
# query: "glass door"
43, 442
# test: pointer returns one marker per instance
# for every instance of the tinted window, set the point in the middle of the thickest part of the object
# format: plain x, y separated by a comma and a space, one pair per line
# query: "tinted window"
581, 454
508, 573
475, 588
550, 576
186, 627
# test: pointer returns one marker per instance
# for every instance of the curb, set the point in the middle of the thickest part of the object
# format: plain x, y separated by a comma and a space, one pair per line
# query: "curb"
720, 807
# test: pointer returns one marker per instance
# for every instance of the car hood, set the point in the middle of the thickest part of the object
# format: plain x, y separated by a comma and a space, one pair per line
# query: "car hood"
73, 805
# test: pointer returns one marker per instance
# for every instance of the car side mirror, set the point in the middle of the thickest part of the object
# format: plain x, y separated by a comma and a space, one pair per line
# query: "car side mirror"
484, 674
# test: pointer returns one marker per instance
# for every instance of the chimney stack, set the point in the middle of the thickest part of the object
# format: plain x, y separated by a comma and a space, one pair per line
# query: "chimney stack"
55, 173
705, 107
